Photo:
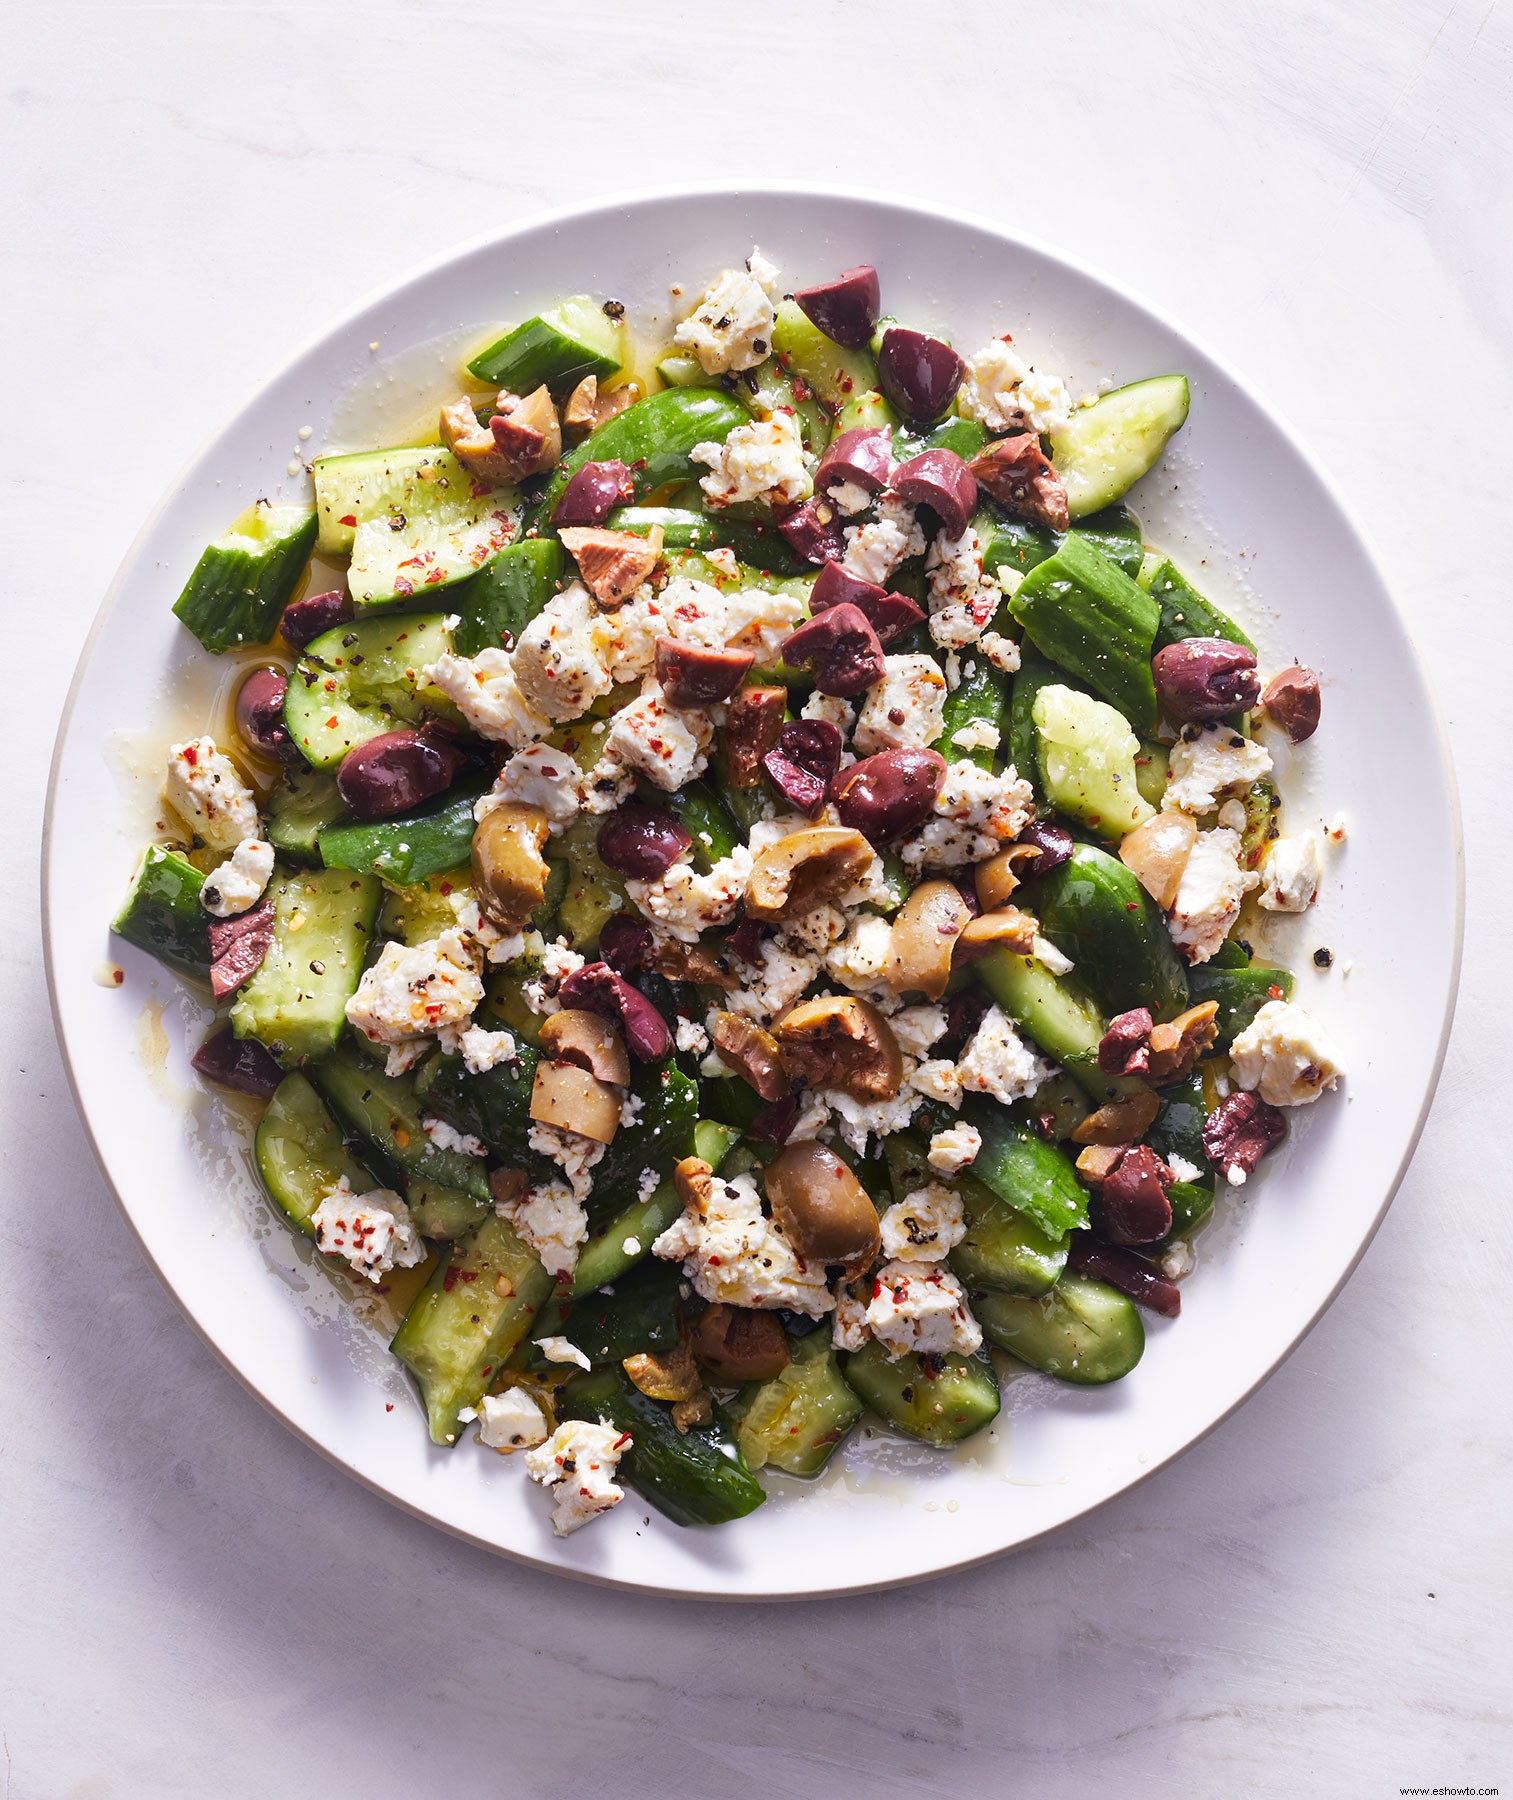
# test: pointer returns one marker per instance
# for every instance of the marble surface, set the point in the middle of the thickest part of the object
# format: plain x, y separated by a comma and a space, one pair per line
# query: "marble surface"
1315, 1600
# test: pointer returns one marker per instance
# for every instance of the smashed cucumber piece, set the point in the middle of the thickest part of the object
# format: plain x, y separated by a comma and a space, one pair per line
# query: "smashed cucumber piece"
1087, 753
245, 579
1104, 449
362, 679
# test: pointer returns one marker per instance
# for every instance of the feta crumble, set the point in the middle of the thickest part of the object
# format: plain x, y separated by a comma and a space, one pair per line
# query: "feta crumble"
510, 1421
907, 707
1005, 392
537, 776
484, 690
560, 1350
733, 1253
762, 461
238, 883
921, 1307
1290, 874
373, 1232
875, 548
998, 1062
1208, 762
651, 738
1209, 896
203, 787
578, 1463
1285, 1055
962, 599
551, 1221
685, 901
413, 991
924, 1226
731, 328
954, 1148
976, 813
446, 1137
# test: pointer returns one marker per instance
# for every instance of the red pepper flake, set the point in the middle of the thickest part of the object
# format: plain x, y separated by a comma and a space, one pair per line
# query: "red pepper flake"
449, 1280
388, 1406
347, 519
1274, 991
619, 1444
469, 1275
403, 586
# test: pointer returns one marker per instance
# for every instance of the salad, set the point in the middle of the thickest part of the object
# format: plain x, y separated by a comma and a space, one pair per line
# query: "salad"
730, 878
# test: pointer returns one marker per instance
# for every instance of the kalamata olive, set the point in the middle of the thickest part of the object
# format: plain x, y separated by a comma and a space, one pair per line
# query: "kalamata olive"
804, 763
692, 675
1292, 701
1133, 1205
774, 1124
845, 309
1202, 679
308, 618
391, 773
238, 946
1239, 1132
626, 944
642, 841
940, 480
240, 1063
1122, 1269
1054, 842
884, 796
815, 531
1125, 1048
824, 1211
752, 727
840, 649
863, 458
890, 615
597, 988
593, 493
260, 715
918, 373
1020, 477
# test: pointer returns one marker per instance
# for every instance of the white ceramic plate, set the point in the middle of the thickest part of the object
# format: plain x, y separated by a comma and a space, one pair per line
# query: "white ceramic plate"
1235, 502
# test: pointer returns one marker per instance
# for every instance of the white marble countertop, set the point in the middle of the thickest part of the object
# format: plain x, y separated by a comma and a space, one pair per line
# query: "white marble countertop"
1314, 1601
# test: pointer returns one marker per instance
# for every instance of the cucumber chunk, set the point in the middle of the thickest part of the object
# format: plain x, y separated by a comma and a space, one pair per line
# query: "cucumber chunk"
162, 915
245, 579
1025, 1172
1241, 993
494, 1106
660, 1138
755, 541
445, 1213
1105, 448
1185, 613
604, 1257
938, 1403
406, 850
366, 484
383, 1116
981, 697
361, 679
640, 1317
1094, 911
559, 347
696, 1478
468, 1319
796, 1422
819, 362
506, 594
303, 803
1052, 1009
1083, 1331
1088, 759
1018, 546
299, 1153
322, 922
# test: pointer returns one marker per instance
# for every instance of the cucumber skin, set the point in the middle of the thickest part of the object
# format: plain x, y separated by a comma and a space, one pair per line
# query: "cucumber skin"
289, 1007
1083, 613
1094, 911
1240, 993
1083, 1331
1017, 545
640, 1316
697, 1478
162, 915
1056, 1014
653, 439
660, 1138
460, 1330
299, 1153
1143, 417
380, 659
506, 594
1027, 1173
545, 349
303, 803
982, 693
237, 596
493, 1106
406, 850
375, 1109
755, 543
811, 1391
1185, 613
940, 1409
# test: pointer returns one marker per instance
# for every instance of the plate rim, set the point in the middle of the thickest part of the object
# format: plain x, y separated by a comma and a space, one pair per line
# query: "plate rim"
841, 194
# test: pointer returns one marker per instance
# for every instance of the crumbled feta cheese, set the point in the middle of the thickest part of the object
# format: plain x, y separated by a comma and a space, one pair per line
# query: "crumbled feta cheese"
1337, 829
857, 1120
977, 734
999, 1062
551, 1220
1290, 874
763, 460
415, 990
906, 707
1001, 651
1005, 393
557, 963
924, 1226
921, 1307
238, 883
557, 662
205, 790
578, 1462
559, 1350
918, 1027
1210, 761
857, 961
666, 746
575, 1155
733, 1254
850, 1330
962, 599
1182, 1168
630, 1246
876, 548
846, 497
1178, 1261
446, 1137
976, 814
373, 1231
830, 709
813, 1118
690, 1037
685, 901
765, 273
1233, 816
1285, 1055
483, 1049
510, 1421
731, 329
1210, 894
938, 1080
537, 776
1049, 957
953, 1149
484, 690
782, 974
402, 1058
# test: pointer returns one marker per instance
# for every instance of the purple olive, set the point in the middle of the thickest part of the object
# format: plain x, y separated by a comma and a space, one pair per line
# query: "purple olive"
593, 493
260, 715
390, 774
1133, 1207
884, 796
890, 615
240, 1063
597, 988
1201, 679
626, 944
238, 946
1054, 842
845, 309
918, 373
1131, 1274
815, 531
642, 841
863, 457
692, 675
307, 619
804, 763
1292, 701
839, 648
940, 480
